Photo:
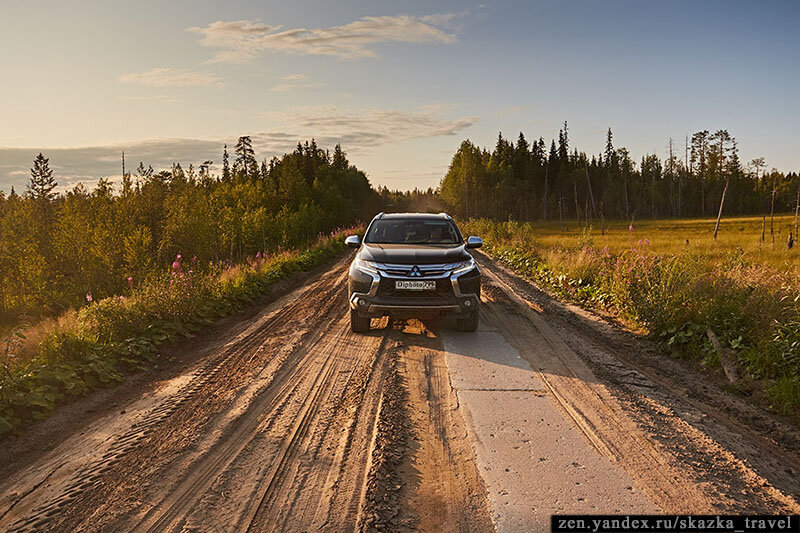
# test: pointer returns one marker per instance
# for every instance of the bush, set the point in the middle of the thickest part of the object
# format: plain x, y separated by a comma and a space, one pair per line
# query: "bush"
124, 332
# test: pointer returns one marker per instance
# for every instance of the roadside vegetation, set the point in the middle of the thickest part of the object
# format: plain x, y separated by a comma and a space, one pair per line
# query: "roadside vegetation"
92, 283
62, 358
58, 250
685, 245
675, 293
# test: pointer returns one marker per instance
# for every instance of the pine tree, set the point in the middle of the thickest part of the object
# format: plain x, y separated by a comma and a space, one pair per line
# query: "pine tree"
42, 182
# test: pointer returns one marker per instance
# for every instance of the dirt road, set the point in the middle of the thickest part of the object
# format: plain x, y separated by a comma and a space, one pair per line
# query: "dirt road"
285, 420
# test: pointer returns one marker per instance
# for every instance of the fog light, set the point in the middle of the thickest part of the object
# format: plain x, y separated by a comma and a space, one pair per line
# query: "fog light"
362, 302
467, 303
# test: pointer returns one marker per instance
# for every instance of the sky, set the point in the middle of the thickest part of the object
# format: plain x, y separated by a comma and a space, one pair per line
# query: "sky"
399, 83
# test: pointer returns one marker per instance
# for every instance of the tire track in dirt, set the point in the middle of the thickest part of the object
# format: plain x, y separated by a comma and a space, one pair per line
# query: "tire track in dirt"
638, 423
589, 405
308, 468
218, 379
423, 473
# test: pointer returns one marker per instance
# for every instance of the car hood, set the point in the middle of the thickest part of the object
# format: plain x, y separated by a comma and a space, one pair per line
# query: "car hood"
413, 254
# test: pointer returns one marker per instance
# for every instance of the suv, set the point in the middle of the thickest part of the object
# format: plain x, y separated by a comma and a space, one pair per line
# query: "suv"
413, 265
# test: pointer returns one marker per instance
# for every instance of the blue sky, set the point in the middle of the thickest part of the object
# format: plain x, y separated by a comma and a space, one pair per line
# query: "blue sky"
400, 84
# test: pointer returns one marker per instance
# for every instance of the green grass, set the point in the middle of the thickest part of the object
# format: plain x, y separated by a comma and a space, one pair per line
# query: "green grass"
747, 294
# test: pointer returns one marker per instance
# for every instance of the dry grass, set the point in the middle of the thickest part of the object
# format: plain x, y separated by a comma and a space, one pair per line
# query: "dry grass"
668, 237
35, 333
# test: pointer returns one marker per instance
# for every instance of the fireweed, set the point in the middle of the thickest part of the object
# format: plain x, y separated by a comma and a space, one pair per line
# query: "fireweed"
109, 336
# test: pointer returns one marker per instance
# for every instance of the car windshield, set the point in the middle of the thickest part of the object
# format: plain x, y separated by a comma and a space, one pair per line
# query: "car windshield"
413, 231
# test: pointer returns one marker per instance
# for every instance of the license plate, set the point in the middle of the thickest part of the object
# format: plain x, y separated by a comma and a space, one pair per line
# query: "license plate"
415, 285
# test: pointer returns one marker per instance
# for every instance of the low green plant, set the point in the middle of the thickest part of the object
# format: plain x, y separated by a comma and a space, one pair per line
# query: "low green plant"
123, 333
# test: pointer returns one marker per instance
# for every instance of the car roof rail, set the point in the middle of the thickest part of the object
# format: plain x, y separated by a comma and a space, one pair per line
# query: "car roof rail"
445, 215
380, 215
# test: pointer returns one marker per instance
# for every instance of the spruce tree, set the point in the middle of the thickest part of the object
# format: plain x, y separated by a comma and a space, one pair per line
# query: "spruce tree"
42, 182
245, 163
226, 171
340, 161
609, 153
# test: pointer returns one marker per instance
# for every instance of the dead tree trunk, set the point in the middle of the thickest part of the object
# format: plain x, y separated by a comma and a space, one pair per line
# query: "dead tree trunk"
602, 220
772, 213
797, 207
588, 215
625, 194
544, 199
589, 185
721, 203
577, 206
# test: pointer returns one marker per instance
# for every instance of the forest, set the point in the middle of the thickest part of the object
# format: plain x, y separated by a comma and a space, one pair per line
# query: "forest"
60, 250
526, 181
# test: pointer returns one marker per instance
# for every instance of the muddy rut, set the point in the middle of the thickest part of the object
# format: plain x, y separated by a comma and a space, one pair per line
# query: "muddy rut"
285, 420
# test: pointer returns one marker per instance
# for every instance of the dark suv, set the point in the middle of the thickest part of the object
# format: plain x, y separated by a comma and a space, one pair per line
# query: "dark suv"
413, 265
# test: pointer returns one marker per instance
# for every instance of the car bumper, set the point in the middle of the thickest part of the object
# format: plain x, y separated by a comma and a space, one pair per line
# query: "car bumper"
373, 304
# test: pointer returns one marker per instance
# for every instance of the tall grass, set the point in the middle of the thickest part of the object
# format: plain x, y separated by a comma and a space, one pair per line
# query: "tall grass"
58, 359
674, 296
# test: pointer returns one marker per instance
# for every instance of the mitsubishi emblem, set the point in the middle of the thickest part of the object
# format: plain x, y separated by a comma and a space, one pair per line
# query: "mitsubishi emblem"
415, 271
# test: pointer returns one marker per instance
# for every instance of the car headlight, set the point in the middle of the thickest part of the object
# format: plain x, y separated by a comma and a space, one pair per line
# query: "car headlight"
464, 266
369, 267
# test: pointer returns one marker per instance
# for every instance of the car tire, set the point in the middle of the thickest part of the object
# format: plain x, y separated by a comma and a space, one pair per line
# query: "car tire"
359, 324
470, 323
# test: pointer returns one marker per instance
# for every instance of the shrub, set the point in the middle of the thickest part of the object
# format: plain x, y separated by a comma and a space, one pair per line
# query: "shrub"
753, 309
92, 347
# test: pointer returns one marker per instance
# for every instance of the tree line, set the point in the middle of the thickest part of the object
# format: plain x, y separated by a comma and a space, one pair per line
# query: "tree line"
527, 181
58, 249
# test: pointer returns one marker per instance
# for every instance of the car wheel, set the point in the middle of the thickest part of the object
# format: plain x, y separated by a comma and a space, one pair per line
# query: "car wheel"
470, 323
358, 324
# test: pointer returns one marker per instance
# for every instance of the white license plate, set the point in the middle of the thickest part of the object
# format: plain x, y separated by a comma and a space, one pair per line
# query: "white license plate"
415, 285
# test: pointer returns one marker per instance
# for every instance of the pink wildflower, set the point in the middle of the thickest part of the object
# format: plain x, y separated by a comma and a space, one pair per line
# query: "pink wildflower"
130, 282
630, 228
640, 242
646, 241
89, 297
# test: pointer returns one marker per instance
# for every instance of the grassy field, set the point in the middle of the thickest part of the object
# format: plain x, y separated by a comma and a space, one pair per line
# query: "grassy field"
668, 236
744, 292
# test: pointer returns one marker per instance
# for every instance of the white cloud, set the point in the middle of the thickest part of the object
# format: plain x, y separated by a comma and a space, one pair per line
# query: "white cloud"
296, 81
172, 77
360, 129
150, 98
283, 87
242, 40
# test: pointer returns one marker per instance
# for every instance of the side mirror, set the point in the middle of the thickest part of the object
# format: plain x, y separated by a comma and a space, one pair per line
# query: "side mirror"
474, 242
353, 241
